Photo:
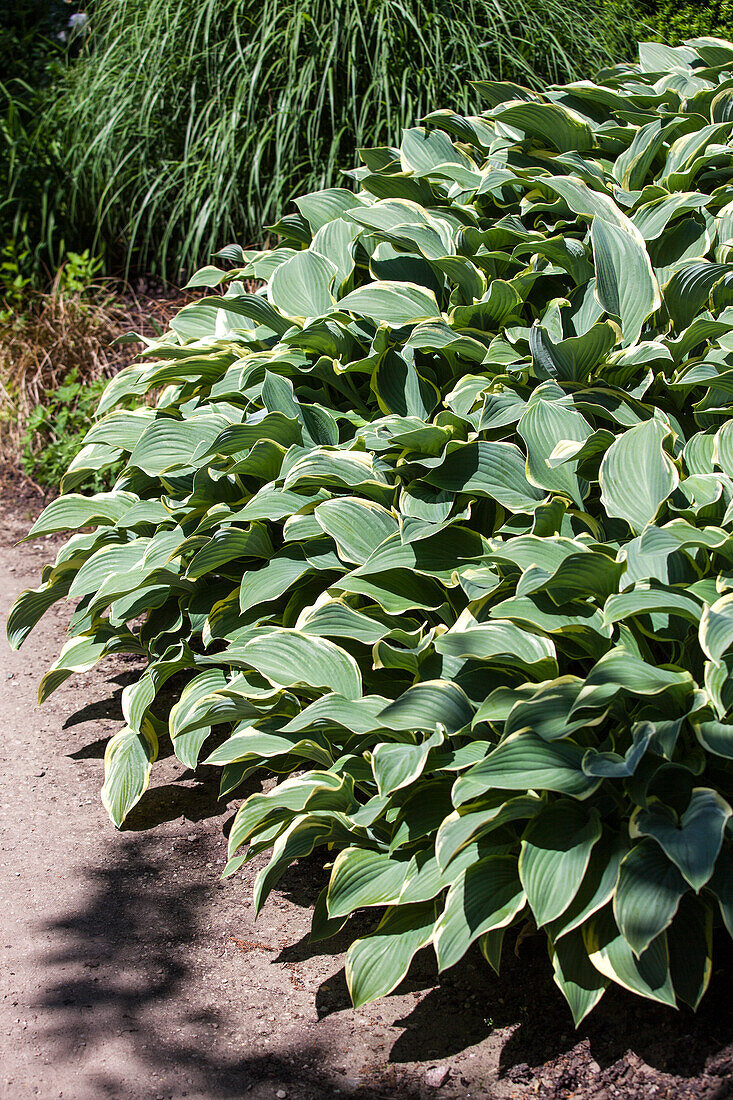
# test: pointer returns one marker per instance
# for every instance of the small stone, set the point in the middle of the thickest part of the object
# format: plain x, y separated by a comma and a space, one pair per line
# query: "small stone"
281, 1094
437, 1076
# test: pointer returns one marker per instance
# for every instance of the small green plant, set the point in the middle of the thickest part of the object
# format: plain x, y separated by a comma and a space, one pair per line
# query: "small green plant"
77, 273
56, 429
14, 283
440, 524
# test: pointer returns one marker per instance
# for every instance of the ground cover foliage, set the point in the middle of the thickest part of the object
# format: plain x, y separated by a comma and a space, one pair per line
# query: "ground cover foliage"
183, 125
438, 522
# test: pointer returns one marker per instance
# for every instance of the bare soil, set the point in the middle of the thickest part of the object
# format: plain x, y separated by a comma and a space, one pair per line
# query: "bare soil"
130, 971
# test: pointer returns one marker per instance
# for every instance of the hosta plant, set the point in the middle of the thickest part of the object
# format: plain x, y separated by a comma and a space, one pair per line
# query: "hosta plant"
439, 525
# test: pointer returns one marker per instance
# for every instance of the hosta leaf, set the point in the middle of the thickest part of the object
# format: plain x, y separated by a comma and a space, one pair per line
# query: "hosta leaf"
362, 878
648, 975
486, 896
643, 600
548, 123
322, 207
356, 526
691, 842
358, 715
525, 761
296, 842
225, 545
254, 745
639, 448
289, 795
128, 759
426, 705
716, 628
377, 964
581, 984
597, 887
486, 641
626, 285
716, 737
289, 657
542, 427
72, 512
462, 826
301, 286
398, 765
335, 619
32, 604
647, 896
392, 303
488, 469
170, 444
556, 849
573, 359
690, 941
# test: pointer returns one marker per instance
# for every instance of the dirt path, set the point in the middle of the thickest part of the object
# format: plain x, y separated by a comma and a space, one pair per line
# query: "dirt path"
131, 972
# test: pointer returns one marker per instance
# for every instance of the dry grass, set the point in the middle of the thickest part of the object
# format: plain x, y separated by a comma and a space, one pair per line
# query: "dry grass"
59, 332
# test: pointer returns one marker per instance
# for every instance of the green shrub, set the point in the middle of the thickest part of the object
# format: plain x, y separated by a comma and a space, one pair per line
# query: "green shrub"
439, 522
673, 21
188, 123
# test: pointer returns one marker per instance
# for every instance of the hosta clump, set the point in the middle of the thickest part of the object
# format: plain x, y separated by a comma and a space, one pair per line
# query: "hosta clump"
439, 522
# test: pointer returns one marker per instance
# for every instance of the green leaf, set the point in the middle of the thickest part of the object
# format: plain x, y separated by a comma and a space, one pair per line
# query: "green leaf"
623, 493
691, 842
296, 842
128, 760
690, 941
716, 737
468, 824
356, 526
495, 470
543, 425
427, 705
647, 896
170, 444
596, 889
206, 276
397, 765
486, 896
580, 983
487, 641
556, 849
626, 285
364, 878
290, 657
72, 512
301, 287
524, 761
648, 975
392, 303
377, 964
548, 123
716, 628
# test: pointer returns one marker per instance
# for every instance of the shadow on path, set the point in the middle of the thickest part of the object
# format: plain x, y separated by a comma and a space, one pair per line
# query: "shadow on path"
125, 971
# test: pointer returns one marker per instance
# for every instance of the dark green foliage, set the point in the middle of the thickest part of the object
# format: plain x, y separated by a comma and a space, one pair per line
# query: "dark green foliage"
672, 21
186, 123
